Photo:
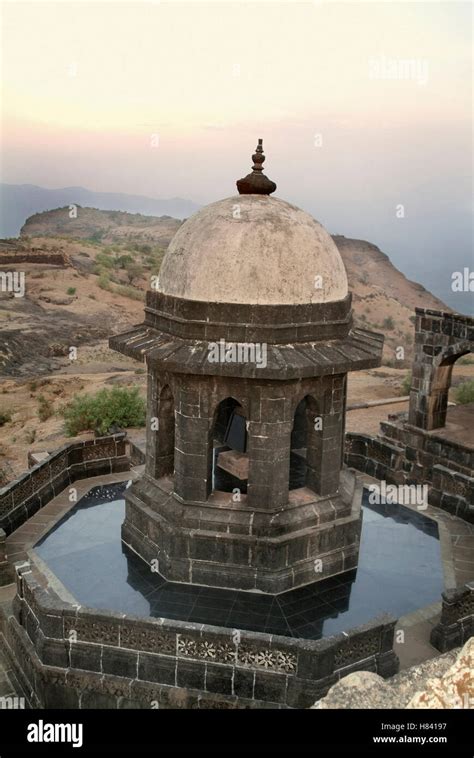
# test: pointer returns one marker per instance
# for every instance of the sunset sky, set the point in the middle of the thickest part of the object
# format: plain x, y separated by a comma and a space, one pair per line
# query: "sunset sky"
87, 86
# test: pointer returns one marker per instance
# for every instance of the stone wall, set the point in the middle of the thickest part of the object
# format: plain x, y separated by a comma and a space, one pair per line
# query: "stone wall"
6, 569
25, 495
407, 455
456, 624
74, 657
373, 456
40, 257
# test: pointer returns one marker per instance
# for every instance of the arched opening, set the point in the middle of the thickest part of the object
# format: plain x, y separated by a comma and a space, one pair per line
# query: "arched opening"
165, 422
462, 378
446, 385
306, 446
229, 442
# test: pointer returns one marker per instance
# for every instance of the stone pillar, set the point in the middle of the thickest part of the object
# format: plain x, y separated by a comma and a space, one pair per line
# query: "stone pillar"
160, 429
268, 446
429, 395
193, 446
325, 424
269, 464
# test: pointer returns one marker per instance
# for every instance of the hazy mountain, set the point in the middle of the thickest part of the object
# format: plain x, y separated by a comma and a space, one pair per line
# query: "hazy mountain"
19, 201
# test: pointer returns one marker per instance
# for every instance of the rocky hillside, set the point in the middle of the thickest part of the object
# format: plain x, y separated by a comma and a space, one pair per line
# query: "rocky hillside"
101, 226
384, 299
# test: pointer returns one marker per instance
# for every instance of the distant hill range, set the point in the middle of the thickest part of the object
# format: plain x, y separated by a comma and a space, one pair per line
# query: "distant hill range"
19, 201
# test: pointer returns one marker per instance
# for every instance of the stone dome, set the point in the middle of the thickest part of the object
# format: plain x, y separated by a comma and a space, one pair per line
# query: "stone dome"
253, 249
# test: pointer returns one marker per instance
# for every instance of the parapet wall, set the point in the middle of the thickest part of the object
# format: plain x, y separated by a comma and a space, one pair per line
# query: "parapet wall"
39, 257
74, 657
407, 455
25, 495
456, 624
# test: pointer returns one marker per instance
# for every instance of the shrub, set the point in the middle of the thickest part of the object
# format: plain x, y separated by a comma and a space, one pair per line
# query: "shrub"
96, 236
123, 261
104, 260
30, 436
464, 393
71, 291
117, 406
406, 384
5, 416
45, 408
104, 281
388, 323
134, 271
466, 360
126, 290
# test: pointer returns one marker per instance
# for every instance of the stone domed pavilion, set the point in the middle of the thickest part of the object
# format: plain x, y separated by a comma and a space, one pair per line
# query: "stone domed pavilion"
248, 338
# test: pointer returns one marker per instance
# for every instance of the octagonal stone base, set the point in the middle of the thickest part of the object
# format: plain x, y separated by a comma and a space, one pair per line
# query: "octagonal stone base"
222, 543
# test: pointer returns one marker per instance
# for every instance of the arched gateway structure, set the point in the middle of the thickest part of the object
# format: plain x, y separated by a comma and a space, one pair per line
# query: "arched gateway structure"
440, 339
430, 445
248, 339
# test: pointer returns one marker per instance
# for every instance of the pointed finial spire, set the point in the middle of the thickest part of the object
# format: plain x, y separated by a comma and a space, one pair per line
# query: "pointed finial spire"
256, 183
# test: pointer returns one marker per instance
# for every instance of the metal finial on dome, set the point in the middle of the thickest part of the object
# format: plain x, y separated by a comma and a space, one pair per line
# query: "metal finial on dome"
256, 183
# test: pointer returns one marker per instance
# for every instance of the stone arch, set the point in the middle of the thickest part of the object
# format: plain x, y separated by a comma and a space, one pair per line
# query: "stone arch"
223, 413
441, 339
306, 437
437, 399
453, 352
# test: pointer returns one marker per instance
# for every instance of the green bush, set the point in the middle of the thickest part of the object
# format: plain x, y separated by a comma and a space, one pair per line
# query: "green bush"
104, 281
45, 408
464, 393
117, 406
466, 360
126, 290
123, 261
406, 385
104, 260
96, 236
71, 291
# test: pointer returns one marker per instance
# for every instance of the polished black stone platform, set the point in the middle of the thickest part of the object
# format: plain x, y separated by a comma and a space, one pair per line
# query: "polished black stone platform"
399, 571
